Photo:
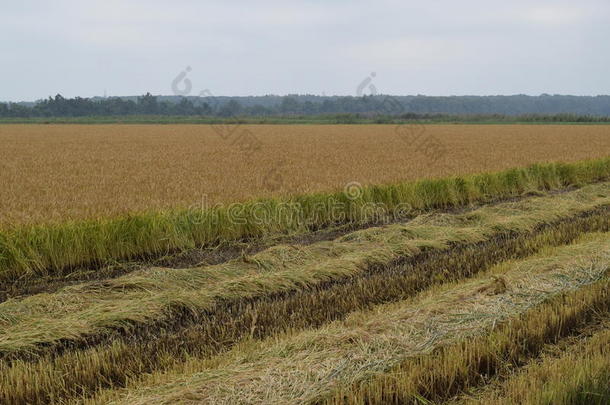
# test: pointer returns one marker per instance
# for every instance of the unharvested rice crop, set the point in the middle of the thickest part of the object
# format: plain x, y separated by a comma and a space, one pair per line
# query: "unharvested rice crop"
59, 172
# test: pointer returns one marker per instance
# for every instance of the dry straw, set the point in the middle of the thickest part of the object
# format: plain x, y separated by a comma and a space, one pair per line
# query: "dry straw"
422, 346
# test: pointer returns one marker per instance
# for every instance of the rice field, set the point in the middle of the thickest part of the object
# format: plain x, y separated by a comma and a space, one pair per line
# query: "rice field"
482, 276
52, 173
386, 314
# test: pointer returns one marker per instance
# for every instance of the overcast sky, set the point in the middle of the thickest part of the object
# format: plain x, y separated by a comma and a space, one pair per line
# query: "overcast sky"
434, 47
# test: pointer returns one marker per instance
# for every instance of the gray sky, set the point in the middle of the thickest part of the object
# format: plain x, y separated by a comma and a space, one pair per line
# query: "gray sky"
442, 47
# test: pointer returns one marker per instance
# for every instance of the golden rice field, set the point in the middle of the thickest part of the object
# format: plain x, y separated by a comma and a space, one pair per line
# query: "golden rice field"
57, 172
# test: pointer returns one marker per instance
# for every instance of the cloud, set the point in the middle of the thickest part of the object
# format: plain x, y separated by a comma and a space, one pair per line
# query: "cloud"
241, 47
558, 15
408, 52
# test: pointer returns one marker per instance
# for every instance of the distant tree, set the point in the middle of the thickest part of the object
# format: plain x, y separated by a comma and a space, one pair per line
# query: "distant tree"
230, 109
310, 108
185, 107
204, 109
148, 104
19, 111
259, 110
289, 105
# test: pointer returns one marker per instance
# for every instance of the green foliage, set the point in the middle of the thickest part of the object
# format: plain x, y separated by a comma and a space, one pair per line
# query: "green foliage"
380, 109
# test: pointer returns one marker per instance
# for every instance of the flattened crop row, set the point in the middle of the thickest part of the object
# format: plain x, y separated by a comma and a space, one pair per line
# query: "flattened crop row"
310, 365
451, 370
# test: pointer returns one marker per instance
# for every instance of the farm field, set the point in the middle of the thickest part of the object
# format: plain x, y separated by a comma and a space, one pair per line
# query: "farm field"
52, 173
466, 279
311, 203
432, 308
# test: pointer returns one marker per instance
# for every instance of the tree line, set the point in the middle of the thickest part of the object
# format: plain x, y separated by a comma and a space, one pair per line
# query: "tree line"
407, 107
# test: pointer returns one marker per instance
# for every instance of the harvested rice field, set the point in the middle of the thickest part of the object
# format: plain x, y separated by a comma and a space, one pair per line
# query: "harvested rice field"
481, 277
60, 172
